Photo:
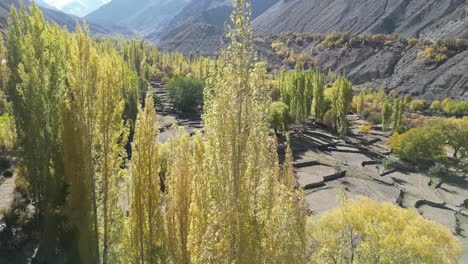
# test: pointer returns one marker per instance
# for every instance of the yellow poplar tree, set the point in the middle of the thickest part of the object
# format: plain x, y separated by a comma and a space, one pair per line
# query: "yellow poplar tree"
111, 138
179, 189
146, 218
233, 215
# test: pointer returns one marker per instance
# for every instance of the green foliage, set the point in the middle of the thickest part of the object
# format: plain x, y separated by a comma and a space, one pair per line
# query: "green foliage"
418, 105
386, 115
7, 133
341, 98
279, 116
319, 102
186, 93
296, 90
422, 145
407, 99
452, 107
436, 106
397, 113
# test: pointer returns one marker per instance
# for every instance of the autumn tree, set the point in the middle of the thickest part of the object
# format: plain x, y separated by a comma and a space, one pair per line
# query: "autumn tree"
367, 231
232, 219
111, 138
146, 217
179, 188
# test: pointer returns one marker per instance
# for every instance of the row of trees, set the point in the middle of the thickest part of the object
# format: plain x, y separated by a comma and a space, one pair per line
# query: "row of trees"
220, 197
225, 193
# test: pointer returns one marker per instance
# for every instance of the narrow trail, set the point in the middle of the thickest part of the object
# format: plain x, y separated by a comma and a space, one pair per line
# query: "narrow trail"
7, 195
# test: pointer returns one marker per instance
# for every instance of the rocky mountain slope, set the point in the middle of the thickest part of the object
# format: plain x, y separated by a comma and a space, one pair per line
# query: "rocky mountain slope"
424, 18
143, 16
397, 65
200, 25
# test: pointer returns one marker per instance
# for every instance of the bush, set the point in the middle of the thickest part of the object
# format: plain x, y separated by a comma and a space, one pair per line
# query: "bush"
165, 80
365, 129
375, 118
436, 106
452, 107
407, 99
186, 93
418, 105
401, 129
279, 116
422, 145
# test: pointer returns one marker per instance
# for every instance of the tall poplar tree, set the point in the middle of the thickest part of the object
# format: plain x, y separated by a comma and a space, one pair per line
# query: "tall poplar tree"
318, 103
35, 58
79, 133
342, 96
386, 115
111, 138
231, 219
146, 217
179, 188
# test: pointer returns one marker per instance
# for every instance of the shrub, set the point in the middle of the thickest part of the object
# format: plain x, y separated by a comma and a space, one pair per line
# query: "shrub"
401, 129
279, 116
452, 107
365, 129
375, 118
418, 105
407, 99
422, 145
436, 106
412, 41
434, 54
165, 80
186, 93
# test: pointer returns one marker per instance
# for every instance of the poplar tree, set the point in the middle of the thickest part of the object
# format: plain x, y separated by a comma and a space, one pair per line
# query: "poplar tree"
79, 137
386, 115
35, 58
233, 217
318, 103
179, 188
397, 112
146, 217
111, 138
360, 102
342, 96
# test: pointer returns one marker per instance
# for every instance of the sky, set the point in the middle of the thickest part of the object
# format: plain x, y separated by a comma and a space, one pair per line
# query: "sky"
76, 7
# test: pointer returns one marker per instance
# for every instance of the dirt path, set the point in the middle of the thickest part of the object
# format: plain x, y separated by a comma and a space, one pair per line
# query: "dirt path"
7, 195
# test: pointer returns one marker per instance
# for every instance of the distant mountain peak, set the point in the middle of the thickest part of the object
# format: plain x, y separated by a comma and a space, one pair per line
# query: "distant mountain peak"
78, 8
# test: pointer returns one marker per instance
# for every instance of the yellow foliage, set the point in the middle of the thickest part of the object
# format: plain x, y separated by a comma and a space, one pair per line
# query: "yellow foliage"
367, 231
365, 129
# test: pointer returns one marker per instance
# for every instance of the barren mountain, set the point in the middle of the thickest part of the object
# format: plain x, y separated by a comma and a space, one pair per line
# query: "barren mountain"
424, 18
396, 65
198, 28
